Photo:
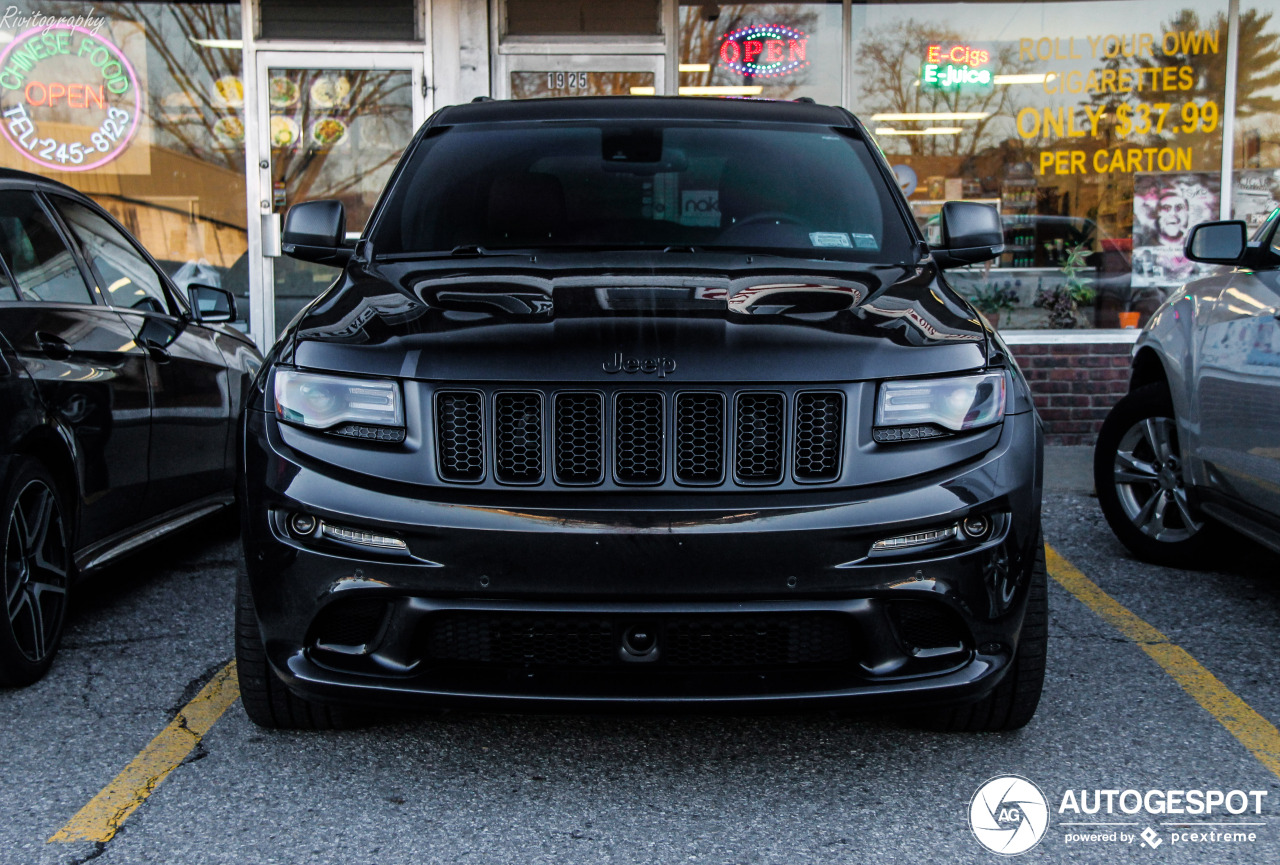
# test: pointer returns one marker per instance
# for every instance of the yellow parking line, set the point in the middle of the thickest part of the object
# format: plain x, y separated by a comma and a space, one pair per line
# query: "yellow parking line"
102, 817
1252, 730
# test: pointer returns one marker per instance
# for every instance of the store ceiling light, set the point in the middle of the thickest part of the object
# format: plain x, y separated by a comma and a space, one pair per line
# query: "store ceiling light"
644, 91
695, 67
937, 115
936, 130
218, 43
725, 90
1030, 78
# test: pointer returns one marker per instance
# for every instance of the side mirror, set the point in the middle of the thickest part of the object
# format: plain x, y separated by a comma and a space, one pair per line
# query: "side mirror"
971, 233
315, 231
212, 304
1217, 242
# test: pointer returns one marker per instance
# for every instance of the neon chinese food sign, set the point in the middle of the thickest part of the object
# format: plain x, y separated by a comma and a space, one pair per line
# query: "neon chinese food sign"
69, 99
764, 50
946, 68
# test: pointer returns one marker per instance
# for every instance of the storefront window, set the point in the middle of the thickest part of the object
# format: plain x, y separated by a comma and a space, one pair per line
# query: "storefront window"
141, 106
1256, 184
770, 50
1095, 128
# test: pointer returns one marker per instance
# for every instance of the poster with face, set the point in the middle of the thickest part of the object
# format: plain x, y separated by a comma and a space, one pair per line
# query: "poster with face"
1255, 193
1165, 206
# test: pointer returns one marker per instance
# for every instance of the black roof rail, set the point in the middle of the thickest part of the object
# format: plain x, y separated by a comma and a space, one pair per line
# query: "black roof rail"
807, 100
483, 99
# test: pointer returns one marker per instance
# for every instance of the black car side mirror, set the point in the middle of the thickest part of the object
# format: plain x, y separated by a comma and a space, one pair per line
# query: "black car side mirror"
314, 231
971, 233
212, 304
1217, 242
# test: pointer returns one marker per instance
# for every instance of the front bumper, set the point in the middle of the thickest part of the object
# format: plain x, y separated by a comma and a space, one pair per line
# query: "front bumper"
523, 599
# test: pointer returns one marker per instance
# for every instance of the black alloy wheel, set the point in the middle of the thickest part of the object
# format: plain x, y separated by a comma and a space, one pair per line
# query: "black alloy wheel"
1139, 478
37, 573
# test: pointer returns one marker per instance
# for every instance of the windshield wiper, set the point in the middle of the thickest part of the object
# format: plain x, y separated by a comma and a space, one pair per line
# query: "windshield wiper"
466, 250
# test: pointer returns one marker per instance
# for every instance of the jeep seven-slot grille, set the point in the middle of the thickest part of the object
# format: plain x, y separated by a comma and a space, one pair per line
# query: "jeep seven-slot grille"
579, 438
518, 422
638, 438
819, 419
758, 452
460, 435
630, 437
700, 438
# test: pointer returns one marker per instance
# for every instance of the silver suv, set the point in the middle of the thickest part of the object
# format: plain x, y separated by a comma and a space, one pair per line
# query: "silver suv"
1194, 444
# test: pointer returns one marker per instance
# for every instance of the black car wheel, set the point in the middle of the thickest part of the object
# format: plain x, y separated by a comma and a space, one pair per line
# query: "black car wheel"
266, 700
1012, 703
1138, 474
37, 572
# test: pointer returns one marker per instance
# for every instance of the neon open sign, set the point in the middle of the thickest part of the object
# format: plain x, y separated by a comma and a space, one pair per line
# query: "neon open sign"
947, 67
69, 99
764, 50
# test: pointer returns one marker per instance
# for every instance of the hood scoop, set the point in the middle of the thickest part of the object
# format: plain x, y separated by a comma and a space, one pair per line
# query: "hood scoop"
534, 299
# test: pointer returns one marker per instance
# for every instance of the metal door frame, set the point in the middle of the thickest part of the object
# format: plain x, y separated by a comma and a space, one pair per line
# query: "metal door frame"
258, 151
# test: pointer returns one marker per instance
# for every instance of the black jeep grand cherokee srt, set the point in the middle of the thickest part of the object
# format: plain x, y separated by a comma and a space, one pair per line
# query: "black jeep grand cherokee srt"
641, 401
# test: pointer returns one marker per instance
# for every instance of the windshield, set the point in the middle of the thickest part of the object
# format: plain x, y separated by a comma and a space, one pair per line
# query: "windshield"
809, 190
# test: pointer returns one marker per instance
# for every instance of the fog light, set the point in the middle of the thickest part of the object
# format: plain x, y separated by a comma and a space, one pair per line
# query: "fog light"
302, 524
976, 526
916, 539
362, 538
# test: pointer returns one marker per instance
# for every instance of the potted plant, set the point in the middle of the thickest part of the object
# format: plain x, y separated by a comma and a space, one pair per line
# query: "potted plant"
1062, 301
994, 302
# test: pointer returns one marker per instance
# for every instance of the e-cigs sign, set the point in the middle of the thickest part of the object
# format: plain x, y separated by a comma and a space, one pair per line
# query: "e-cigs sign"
69, 99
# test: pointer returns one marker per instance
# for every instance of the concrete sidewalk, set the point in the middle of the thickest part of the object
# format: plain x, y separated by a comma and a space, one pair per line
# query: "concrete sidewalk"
1068, 469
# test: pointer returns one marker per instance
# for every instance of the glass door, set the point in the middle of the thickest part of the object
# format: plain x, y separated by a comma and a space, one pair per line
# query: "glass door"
329, 126
542, 76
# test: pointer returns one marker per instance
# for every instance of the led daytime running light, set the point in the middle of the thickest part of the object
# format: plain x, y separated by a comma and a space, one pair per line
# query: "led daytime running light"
362, 538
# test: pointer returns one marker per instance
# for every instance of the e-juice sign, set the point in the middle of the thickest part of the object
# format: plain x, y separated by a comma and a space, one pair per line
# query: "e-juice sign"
69, 99
765, 50
949, 66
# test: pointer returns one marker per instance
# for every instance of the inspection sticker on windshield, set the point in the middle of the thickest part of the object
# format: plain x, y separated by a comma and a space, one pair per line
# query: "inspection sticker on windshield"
865, 241
830, 238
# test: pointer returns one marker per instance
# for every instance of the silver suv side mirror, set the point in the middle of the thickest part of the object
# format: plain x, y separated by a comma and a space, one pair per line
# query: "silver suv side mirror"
1217, 242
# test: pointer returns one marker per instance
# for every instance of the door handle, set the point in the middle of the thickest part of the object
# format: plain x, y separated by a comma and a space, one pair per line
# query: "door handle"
54, 347
156, 351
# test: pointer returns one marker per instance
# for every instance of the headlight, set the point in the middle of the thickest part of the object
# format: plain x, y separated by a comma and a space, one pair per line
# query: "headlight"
963, 403
354, 407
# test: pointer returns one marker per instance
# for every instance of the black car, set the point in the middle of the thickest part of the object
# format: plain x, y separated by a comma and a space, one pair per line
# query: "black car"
641, 401
118, 400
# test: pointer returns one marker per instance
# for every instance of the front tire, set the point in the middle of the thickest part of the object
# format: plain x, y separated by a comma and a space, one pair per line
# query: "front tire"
1138, 474
1013, 702
266, 700
37, 567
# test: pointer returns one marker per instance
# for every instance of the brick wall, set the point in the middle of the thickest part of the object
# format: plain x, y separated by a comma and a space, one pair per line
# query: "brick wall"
1074, 384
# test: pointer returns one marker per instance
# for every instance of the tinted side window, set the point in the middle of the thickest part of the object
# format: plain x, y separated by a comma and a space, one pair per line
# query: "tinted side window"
40, 261
128, 279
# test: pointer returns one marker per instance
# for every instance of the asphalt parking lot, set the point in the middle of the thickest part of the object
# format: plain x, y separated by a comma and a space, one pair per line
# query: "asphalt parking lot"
1122, 711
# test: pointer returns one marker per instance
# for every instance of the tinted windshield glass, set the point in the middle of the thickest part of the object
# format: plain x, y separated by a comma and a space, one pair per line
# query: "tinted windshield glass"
795, 189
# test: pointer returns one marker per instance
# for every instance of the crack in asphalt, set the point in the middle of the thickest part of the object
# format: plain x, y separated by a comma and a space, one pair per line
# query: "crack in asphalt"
192, 688
99, 847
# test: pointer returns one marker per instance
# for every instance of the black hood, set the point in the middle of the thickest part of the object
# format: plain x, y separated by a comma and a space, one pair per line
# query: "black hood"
683, 317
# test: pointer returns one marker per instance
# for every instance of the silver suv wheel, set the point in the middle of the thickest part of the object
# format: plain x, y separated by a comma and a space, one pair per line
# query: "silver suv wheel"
1149, 482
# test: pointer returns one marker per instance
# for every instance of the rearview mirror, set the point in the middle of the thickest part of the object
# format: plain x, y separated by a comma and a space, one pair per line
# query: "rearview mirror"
314, 231
1217, 242
971, 233
212, 304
